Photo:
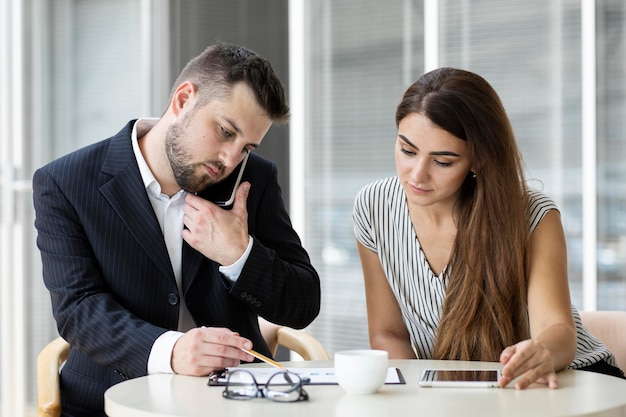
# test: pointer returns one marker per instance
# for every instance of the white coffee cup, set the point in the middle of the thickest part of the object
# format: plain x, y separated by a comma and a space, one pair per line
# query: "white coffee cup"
361, 371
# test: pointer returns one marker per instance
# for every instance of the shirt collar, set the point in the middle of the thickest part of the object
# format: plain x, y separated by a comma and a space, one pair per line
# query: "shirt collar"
141, 127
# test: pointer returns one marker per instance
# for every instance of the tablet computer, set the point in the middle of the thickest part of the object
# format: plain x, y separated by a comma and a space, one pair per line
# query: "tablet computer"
460, 378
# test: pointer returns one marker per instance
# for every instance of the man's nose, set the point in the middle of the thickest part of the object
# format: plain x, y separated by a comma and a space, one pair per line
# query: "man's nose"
232, 156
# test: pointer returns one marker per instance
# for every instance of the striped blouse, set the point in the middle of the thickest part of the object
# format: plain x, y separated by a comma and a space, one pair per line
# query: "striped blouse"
383, 225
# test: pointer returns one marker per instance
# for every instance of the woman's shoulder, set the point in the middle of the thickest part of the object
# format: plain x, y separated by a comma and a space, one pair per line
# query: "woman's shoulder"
373, 206
388, 186
540, 204
540, 201
377, 197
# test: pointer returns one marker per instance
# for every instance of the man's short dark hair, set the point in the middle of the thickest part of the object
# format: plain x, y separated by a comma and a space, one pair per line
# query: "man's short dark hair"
220, 66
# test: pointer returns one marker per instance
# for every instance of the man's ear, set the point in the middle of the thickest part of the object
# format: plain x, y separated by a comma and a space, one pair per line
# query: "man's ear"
183, 96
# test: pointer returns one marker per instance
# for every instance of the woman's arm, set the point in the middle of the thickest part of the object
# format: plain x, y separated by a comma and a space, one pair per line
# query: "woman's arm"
553, 334
384, 318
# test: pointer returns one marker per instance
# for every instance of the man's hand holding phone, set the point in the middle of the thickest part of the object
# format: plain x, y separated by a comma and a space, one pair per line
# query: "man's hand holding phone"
218, 195
220, 235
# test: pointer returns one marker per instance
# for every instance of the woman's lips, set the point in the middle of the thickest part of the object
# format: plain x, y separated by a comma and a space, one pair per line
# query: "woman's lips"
419, 190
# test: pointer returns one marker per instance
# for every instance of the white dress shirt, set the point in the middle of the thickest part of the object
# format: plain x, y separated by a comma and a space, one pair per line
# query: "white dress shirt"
169, 212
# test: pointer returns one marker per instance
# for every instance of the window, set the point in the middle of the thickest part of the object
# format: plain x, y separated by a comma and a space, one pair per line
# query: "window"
532, 53
77, 72
68, 62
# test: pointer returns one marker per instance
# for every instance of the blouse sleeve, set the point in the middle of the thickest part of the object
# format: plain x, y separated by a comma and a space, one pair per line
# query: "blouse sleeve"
540, 205
362, 218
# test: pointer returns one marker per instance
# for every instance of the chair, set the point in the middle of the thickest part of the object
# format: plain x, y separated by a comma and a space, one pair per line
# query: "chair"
298, 341
54, 354
610, 328
49, 363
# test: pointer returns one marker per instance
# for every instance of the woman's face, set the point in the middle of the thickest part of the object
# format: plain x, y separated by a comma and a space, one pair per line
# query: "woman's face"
431, 162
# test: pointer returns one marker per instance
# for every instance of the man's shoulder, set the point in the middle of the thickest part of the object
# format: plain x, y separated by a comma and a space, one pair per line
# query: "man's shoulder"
92, 155
259, 161
259, 170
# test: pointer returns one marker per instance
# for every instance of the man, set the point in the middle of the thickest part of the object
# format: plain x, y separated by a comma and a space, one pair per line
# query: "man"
145, 273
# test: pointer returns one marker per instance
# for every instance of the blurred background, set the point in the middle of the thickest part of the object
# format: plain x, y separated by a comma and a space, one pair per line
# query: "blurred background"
73, 72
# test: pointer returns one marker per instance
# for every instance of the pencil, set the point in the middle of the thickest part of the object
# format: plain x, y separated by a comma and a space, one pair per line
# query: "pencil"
264, 358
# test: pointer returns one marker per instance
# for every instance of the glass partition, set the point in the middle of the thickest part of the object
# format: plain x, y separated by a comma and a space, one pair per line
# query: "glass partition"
360, 59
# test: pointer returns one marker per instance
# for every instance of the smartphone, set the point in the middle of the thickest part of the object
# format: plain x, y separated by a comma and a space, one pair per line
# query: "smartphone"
486, 378
223, 193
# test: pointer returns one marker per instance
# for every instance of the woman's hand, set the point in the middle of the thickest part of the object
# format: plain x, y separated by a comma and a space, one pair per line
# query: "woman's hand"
531, 361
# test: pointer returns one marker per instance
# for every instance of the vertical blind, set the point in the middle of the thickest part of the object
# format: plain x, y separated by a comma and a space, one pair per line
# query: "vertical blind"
88, 74
94, 65
530, 52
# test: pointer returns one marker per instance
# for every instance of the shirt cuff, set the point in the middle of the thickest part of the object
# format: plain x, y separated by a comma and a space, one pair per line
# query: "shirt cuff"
160, 359
233, 271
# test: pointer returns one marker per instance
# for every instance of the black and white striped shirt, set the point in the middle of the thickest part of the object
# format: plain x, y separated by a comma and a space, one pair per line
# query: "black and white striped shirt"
383, 225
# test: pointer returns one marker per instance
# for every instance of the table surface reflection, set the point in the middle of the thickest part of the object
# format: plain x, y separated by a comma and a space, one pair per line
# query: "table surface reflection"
580, 393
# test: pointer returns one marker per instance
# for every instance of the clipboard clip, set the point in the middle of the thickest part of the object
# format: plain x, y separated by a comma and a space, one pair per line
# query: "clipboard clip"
218, 377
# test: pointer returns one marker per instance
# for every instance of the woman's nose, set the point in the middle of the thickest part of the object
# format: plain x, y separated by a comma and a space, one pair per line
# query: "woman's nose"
420, 172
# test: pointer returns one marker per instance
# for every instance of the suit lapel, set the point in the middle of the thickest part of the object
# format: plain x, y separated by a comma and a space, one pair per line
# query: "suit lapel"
127, 195
192, 259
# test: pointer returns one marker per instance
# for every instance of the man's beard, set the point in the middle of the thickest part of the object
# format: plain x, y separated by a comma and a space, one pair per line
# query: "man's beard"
191, 178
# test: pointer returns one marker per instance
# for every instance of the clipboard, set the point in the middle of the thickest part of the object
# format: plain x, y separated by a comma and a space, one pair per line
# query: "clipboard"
316, 376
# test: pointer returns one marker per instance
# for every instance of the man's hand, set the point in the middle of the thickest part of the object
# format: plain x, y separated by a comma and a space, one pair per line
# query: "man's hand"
218, 234
205, 349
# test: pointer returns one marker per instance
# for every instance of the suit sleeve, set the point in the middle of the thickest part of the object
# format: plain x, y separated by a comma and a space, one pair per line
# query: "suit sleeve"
278, 280
89, 316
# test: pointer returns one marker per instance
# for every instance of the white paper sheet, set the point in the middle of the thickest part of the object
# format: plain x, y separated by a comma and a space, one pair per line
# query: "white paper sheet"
317, 376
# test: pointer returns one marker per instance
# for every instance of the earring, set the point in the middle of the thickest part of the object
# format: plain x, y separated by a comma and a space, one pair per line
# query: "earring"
473, 174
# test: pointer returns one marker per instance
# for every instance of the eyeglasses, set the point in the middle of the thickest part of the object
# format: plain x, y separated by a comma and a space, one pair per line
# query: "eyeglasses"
281, 387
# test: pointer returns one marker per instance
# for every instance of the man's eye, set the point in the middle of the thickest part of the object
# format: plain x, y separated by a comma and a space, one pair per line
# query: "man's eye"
226, 133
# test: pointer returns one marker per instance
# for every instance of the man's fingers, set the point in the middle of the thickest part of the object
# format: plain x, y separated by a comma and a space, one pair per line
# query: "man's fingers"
241, 197
204, 349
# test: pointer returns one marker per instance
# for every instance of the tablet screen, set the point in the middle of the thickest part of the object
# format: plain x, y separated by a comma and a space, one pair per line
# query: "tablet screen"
460, 377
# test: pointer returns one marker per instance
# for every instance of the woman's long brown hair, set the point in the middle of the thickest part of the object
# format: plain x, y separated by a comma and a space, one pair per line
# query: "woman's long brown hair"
485, 307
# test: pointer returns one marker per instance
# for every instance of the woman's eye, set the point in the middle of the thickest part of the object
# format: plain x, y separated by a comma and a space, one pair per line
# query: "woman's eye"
407, 151
443, 164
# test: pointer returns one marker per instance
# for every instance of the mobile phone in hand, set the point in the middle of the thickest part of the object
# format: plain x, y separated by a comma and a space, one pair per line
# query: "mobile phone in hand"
223, 193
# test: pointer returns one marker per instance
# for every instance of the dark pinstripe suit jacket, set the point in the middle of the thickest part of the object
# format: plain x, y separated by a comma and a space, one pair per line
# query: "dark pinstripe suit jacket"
110, 279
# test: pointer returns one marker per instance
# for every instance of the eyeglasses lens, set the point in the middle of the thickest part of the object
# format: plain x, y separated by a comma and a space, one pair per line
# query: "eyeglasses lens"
285, 387
281, 387
241, 386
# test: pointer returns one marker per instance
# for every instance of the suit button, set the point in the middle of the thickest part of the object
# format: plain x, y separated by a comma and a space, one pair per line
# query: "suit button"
243, 294
257, 304
172, 299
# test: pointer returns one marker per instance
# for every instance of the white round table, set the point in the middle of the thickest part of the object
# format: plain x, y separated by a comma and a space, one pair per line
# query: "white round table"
580, 393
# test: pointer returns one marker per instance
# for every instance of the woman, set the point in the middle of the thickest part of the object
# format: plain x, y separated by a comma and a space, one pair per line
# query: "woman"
460, 259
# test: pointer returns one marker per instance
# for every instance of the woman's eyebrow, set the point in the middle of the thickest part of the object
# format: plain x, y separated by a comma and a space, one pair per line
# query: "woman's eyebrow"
436, 153
407, 141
